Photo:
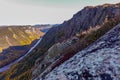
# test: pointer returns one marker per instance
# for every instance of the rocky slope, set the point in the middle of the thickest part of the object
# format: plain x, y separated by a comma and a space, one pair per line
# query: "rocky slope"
100, 61
61, 52
65, 47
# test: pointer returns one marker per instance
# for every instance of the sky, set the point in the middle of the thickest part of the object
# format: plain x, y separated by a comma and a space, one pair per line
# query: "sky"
30, 12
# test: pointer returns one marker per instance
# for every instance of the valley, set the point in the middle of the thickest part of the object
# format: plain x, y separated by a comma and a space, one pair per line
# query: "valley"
6, 67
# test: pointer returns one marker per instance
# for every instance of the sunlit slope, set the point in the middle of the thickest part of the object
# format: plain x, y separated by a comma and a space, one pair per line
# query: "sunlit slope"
18, 35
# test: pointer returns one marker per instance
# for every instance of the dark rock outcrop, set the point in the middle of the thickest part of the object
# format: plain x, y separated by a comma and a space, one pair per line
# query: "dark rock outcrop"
100, 61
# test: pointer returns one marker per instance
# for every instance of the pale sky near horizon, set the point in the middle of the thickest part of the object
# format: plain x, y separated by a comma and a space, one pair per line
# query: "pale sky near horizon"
29, 12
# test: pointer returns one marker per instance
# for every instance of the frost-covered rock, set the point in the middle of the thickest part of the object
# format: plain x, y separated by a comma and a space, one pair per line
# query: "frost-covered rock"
100, 61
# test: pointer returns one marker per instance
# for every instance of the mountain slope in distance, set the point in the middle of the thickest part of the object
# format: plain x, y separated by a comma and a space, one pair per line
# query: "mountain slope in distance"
15, 42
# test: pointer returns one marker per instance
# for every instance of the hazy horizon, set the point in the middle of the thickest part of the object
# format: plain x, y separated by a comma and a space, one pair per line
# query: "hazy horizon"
31, 12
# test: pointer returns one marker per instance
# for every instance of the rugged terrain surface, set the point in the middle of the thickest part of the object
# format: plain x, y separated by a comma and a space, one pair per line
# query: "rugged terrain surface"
100, 61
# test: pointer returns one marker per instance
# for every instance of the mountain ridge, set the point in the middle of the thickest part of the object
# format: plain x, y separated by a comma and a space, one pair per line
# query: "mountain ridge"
82, 20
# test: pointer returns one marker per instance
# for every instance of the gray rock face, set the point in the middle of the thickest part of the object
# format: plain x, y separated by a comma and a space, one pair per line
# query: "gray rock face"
83, 20
100, 61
